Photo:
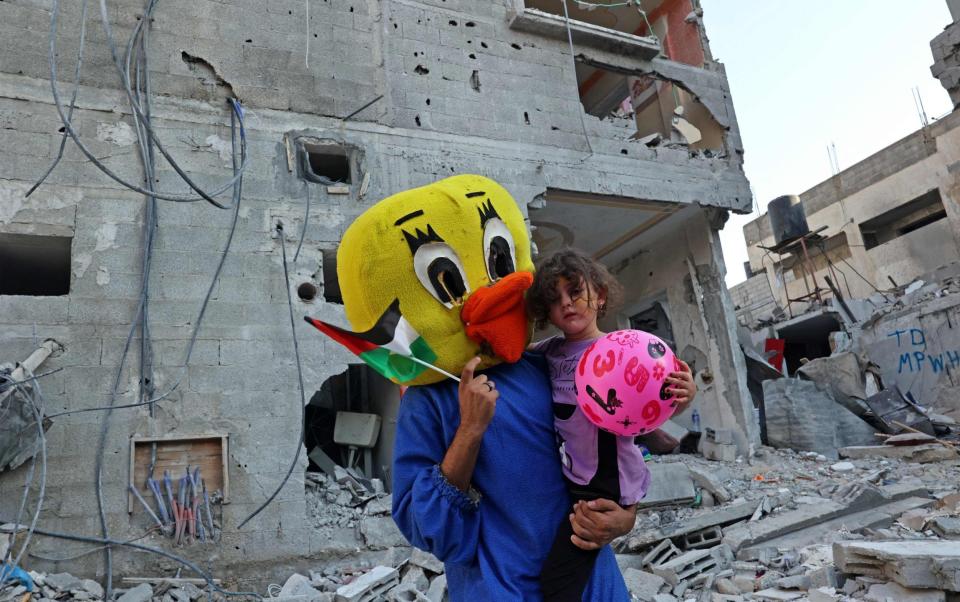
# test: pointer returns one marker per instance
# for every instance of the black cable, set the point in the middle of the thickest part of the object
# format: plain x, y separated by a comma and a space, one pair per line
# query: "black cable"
129, 544
73, 100
68, 125
303, 400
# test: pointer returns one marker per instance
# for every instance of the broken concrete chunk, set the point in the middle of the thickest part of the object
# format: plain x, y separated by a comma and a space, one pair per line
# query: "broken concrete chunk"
883, 592
298, 585
642, 584
922, 454
718, 452
842, 467
415, 576
369, 585
708, 480
380, 532
669, 484
750, 533
438, 589
916, 564
426, 560
141, 593
947, 527
824, 594
63, 582
92, 587
661, 553
777, 595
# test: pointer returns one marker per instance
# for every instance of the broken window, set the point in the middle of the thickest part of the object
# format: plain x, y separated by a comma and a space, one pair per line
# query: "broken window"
325, 163
669, 21
662, 110
34, 265
912, 215
350, 423
655, 321
807, 338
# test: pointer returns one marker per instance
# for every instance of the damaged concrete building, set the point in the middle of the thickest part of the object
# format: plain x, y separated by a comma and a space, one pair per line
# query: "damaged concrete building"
614, 130
867, 263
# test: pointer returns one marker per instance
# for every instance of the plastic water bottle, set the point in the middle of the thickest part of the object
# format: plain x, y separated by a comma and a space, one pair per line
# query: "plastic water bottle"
695, 419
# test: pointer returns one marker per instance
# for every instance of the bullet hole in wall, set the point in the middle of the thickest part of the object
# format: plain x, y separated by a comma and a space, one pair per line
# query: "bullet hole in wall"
526, 118
428, 102
483, 45
421, 70
417, 119
452, 22
470, 24
516, 46
473, 56
248, 41
623, 151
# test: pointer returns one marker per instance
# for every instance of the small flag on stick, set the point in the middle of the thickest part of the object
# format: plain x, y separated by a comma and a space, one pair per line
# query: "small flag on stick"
392, 347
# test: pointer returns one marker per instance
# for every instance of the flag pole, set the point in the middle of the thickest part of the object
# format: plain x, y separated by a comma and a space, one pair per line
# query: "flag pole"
431, 366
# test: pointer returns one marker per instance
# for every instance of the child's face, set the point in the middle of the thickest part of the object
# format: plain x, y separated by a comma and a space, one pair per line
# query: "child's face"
575, 310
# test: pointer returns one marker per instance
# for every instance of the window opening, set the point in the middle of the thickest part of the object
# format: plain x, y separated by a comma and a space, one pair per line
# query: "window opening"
908, 217
325, 163
34, 265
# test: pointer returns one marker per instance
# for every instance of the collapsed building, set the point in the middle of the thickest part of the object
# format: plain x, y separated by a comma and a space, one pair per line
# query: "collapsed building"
206, 158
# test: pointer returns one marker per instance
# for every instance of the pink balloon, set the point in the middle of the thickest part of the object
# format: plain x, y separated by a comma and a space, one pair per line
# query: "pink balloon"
620, 382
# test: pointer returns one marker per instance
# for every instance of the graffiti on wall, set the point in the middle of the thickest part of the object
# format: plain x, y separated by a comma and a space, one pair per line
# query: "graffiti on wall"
916, 358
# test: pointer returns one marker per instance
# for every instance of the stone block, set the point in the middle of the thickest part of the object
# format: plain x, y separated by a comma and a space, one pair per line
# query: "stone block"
141, 593
750, 533
884, 592
708, 480
438, 589
776, 595
719, 452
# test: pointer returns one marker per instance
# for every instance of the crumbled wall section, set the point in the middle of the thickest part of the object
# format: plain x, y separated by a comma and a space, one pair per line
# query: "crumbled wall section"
461, 93
946, 60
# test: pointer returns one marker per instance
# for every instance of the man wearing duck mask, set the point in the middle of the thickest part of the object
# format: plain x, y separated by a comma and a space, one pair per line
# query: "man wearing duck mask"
438, 273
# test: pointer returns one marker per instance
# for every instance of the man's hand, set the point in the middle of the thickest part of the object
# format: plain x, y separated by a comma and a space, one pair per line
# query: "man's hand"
478, 399
598, 522
682, 386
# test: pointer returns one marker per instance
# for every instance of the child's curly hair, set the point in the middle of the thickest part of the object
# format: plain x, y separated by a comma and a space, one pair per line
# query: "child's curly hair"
575, 266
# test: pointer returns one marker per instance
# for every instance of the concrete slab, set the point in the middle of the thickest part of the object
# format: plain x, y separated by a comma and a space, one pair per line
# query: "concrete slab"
914, 453
919, 564
670, 484
776, 595
880, 516
882, 592
749, 533
722, 517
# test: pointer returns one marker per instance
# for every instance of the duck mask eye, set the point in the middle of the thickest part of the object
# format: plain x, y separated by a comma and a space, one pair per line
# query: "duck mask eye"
441, 272
498, 249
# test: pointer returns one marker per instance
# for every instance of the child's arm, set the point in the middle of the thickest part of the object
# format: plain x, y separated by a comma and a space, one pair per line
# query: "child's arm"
683, 386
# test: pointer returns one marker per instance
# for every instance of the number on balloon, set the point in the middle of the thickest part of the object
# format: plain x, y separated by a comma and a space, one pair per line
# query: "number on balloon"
651, 411
600, 367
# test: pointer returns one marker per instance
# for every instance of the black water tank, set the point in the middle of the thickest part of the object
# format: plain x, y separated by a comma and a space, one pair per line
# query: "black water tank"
787, 219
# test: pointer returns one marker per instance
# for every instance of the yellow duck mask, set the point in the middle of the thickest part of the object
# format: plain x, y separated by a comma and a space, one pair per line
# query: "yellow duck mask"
441, 270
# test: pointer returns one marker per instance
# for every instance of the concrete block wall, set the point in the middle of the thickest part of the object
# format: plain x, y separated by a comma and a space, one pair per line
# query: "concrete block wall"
946, 60
242, 379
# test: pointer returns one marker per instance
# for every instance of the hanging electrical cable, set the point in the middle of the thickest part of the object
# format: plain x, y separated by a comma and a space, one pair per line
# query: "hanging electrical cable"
303, 399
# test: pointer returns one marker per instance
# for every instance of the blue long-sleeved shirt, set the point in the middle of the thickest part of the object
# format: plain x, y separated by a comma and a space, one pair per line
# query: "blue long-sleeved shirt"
494, 548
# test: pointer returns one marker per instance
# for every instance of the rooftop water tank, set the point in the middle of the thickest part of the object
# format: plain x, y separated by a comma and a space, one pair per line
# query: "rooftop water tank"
787, 219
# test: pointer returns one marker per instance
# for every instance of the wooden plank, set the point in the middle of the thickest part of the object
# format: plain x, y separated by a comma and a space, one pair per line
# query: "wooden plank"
175, 454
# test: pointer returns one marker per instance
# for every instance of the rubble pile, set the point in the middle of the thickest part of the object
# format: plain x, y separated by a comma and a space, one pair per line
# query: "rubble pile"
787, 525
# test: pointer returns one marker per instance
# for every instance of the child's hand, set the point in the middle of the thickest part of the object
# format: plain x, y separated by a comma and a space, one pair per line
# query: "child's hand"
598, 522
682, 386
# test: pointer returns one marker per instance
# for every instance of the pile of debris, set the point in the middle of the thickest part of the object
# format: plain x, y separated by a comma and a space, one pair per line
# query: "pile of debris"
789, 525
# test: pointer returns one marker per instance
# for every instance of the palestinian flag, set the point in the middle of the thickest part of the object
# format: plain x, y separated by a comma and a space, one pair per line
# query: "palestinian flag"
387, 347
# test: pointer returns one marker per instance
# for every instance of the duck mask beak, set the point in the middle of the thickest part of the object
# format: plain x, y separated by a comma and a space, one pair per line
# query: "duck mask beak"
496, 316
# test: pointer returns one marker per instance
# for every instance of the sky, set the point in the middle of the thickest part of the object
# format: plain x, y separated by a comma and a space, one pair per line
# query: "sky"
805, 74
